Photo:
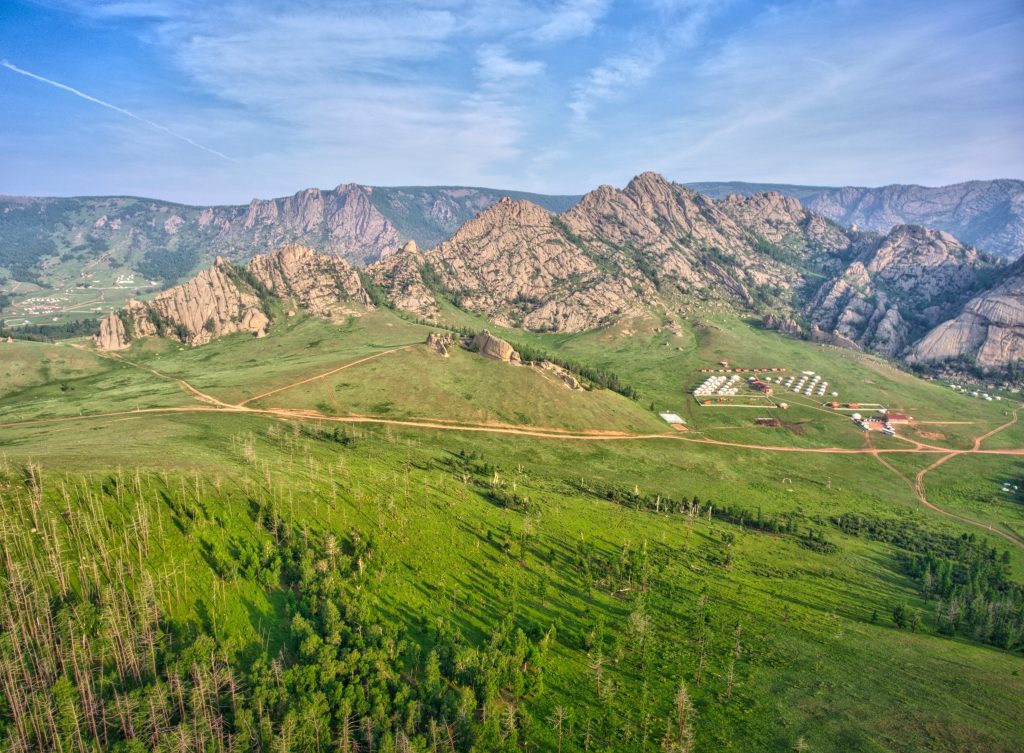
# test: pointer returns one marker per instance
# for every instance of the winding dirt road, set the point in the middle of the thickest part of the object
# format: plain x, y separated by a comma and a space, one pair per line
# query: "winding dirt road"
212, 404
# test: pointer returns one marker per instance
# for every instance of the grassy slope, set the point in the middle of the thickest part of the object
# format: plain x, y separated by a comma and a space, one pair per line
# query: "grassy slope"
812, 665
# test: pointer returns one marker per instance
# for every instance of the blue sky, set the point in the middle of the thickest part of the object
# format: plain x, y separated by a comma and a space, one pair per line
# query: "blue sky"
210, 102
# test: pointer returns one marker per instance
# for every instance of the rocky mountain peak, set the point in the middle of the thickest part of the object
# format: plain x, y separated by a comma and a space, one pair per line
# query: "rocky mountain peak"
649, 183
505, 212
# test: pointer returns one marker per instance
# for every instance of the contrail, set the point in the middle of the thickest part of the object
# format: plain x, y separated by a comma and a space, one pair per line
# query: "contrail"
9, 66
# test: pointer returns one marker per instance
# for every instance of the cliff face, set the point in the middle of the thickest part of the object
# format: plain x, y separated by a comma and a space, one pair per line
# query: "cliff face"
226, 299
342, 222
897, 289
316, 282
989, 328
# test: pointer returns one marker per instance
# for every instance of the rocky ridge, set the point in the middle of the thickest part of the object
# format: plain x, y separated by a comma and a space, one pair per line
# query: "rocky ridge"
225, 299
167, 242
614, 254
619, 252
897, 289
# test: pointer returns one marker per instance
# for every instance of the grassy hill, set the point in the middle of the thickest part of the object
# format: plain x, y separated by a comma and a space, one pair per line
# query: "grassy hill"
277, 545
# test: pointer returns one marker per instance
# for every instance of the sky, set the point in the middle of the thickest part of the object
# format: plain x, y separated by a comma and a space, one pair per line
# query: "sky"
219, 102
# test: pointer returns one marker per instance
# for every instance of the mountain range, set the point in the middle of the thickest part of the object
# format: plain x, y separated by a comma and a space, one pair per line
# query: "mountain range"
653, 248
52, 242
987, 214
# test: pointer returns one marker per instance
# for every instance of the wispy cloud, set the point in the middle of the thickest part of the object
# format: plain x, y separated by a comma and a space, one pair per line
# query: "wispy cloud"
678, 24
851, 97
495, 65
611, 80
554, 95
89, 98
570, 20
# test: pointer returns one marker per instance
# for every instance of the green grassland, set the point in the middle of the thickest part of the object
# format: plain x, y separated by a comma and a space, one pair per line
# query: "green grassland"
783, 636
972, 486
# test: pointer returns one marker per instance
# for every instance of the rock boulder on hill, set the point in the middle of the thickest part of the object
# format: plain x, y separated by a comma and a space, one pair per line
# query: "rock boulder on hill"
490, 346
112, 334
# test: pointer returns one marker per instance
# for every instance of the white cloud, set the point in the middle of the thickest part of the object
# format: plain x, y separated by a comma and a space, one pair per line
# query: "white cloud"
571, 19
494, 65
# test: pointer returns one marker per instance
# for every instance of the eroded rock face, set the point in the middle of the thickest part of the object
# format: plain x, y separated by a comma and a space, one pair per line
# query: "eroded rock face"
401, 276
782, 324
112, 335
220, 300
209, 305
989, 328
441, 342
316, 282
898, 288
603, 259
987, 214
514, 265
345, 218
490, 346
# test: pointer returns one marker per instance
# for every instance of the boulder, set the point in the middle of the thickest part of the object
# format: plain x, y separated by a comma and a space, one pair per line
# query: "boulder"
255, 321
441, 342
490, 346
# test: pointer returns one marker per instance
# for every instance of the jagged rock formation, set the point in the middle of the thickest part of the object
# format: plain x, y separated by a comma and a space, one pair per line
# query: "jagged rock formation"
898, 288
316, 282
567, 377
401, 276
785, 325
986, 214
989, 329
441, 342
112, 334
675, 236
349, 224
226, 299
490, 346
614, 254
818, 335
209, 305
513, 264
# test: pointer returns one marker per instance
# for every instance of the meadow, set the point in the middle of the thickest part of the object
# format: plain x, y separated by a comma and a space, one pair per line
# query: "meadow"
492, 591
